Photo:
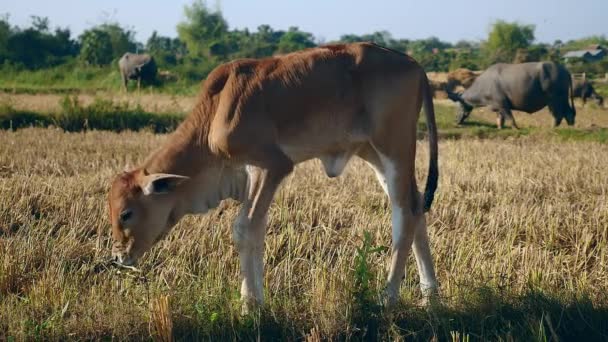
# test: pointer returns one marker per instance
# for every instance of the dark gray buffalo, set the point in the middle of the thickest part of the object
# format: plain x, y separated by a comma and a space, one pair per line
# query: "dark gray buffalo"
140, 67
584, 90
527, 87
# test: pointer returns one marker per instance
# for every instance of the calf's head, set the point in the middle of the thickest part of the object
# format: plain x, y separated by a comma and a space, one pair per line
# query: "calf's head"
142, 210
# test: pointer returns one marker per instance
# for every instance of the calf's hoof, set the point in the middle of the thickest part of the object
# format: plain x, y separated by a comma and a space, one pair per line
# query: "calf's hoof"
389, 298
250, 305
430, 297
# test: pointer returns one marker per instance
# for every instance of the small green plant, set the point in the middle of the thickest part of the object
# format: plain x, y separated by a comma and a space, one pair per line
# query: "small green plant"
37, 330
366, 307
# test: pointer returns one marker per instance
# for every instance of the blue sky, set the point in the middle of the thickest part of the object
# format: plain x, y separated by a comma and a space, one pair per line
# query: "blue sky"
449, 20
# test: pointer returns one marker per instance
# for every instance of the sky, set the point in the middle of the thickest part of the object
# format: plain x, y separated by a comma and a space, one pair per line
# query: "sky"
451, 20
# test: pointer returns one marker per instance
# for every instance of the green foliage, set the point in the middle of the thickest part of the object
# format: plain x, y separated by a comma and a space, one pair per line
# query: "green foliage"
11, 118
105, 114
383, 38
428, 45
579, 44
591, 134
100, 115
478, 128
35, 47
469, 58
205, 41
366, 308
592, 69
208, 42
104, 43
602, 89
96, 47
166, 51
577, 65
69, 77
203, 31
294, 40
505, 39
432, 53
534, 53
5, 33
122, 40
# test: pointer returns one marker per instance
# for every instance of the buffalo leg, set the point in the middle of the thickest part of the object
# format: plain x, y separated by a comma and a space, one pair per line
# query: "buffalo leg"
557, 113
506, 113
500, 120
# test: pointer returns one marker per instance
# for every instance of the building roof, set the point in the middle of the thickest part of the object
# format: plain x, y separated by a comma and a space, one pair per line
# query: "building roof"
585, 53
577, 54
596, 52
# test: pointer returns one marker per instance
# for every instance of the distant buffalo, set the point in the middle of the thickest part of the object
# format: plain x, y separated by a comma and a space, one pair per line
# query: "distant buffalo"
140, 67
584, 90
527, 87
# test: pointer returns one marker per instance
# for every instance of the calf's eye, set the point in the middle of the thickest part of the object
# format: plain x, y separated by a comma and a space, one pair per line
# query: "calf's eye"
125, 215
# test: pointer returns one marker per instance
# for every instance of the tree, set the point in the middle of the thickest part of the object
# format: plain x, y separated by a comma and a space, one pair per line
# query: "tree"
121, 39
36, 46
202, 29
466, 58
583, 43
429, 45
534, 53
5, 34
505, 39
166, 50
383, 38
96, 47
432, 53
294, 40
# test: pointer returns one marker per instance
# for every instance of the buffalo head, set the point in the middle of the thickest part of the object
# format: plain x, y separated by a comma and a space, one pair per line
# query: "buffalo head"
464, 109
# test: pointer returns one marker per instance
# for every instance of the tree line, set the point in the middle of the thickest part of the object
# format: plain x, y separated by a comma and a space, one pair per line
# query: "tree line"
205, 40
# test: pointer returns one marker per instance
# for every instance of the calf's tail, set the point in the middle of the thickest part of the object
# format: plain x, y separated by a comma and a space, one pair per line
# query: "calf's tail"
433, 176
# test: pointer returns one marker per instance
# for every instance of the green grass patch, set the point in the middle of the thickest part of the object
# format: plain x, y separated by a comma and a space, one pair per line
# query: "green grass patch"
445, 117
108, 115
61, 79
100, 115
601, 88
592, 134
473, 128
74, 78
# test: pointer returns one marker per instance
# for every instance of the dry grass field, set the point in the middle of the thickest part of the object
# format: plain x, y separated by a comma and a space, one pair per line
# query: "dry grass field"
519, 232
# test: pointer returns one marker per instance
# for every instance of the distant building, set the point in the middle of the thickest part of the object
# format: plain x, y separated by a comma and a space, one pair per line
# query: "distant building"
592, 53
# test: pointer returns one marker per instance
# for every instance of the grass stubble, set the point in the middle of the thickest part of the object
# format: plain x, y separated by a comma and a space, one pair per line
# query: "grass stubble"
518, 231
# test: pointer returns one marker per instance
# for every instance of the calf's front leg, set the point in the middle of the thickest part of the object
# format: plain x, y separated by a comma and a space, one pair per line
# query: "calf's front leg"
249, 229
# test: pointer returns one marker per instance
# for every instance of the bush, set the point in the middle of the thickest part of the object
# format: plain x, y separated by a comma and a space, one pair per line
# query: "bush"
100, 115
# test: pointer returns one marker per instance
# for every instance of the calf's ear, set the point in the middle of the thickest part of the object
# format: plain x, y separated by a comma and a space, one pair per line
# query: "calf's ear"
160, 183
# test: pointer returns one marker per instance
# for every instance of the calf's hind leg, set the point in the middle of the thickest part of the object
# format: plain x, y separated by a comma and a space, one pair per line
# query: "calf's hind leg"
409, 225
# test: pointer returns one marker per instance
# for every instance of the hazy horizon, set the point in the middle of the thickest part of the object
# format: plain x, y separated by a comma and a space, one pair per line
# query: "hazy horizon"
453, 21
